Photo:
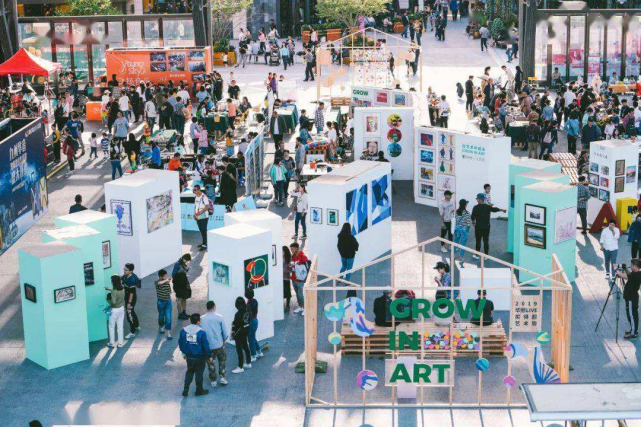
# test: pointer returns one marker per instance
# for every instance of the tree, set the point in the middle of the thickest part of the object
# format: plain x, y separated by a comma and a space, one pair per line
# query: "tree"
223, 12
348, 11
90, 7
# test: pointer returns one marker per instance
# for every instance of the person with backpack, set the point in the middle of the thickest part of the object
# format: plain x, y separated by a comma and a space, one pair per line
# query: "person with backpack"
347, 248
201, 215
181, 285
252, 308
131, 283
549, 137
299, 274
195, 349
532, 137
240, 332
116, 300
214, 326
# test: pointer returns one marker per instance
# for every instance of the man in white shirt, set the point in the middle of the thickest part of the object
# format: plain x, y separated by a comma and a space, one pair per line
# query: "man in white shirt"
637, 115
201, 214
444, 111
610, 246
569, 96
150, 114
446, 211
123, 103
184, 95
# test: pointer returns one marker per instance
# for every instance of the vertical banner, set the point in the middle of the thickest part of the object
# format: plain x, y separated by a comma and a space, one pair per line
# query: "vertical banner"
526, 313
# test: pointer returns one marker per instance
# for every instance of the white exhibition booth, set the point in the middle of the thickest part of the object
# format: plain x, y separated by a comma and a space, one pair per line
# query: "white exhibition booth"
390, 130
359, 193
612, 174
367, 96
262, 218
462, 163
241, 258
147, 209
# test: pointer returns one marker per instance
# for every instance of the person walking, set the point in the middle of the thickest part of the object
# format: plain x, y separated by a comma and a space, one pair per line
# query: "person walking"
319, 118
533, 136
463, 221
277, 174
634, 237
309, 67
116, 301
195, 349
469, 94
201, 215
590, 133
583, 195
609, 242
573, 130
444, 111
631, 297
181, 285
214, 326
240, 332
485, 34
277, 128
114, 159
287, 274
446, 211
163, 293
347, 248
131, 283
299, 274
252, 308
481, 219
301, 207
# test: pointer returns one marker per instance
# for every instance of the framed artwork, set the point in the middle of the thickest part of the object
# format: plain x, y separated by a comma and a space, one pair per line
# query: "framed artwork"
372, 144
446, 153
394, 135
256, 272
447, 182
427, 140
30, 292
512, 195
160, 212
619, 168
394, 121
605, 170
381, 198
594, 192
446, 140
535, 214
619, 184
400, 100
594, 179
316, 216
426, 190
64, 294
106, 254
315, 158
372, 124
427, 173
604, 182
447, 167
157, 57
604, 195
332, 217
535, 236
631, 174
594, 167
382, 98
90, 278
427, 157
274, 260
356, 208
394, 149
220, 274
565, 224
122, 210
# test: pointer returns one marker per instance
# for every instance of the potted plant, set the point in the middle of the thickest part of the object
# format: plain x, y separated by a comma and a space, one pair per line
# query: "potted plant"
220, 48
305, 32
398, 25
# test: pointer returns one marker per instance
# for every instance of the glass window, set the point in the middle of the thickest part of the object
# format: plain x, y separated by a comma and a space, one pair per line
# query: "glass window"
114, 38
597, 40
577, 46
63, 56
97, 30
134, 34
540, 51
99, 64
61, 33
558, 37
34, 38
80, 62
633, 48
152, 33
178, 32
613, 60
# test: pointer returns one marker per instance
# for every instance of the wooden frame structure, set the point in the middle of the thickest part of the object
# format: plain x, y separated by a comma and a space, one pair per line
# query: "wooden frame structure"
323, 54
561, 313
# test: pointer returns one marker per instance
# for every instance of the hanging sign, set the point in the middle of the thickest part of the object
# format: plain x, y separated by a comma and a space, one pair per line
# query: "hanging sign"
526, 313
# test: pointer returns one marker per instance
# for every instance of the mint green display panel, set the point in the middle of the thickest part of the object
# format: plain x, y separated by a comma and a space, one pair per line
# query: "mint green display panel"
55, 333
104, 223
520, 165
523, 180
89, 242
555, 204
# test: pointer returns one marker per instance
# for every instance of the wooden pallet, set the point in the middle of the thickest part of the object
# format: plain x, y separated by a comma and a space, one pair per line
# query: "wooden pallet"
340, 101
493, 339
569, 165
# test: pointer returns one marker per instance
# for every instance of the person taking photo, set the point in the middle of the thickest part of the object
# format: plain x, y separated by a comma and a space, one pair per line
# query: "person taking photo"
631, 296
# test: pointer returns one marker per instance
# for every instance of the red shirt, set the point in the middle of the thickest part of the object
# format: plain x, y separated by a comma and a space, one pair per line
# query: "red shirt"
300, 258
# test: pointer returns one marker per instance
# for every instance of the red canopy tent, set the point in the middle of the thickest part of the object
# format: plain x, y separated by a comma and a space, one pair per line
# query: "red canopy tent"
25, 63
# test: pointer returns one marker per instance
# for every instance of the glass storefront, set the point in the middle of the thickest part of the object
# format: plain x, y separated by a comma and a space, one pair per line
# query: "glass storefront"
577, 46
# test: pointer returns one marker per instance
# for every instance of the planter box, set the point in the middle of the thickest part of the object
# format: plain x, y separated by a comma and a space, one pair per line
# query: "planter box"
398, 28
218, 58
333, 35
305, 36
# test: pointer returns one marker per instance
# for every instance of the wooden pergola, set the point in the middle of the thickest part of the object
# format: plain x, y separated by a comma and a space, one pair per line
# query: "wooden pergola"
390, 43
561, 316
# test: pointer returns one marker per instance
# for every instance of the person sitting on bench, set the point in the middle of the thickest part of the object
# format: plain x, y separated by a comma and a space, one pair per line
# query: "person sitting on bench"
487, 310
382, 313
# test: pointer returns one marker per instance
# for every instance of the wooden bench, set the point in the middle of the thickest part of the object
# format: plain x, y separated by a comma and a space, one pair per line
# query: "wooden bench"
493, 339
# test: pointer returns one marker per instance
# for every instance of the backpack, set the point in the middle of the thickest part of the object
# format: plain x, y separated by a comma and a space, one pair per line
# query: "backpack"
301, 270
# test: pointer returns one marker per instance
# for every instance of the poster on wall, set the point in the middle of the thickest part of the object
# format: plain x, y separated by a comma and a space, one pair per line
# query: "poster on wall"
356, 209
381, 199
64, 294
89, 274
372, 124
106, 254
122, 210
257, 272
565, 224
526, 312
160, 212
23, 189
220, 274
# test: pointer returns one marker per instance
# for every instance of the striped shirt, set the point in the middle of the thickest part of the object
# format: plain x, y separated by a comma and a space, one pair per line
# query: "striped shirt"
583, 195
463, 220
163, 290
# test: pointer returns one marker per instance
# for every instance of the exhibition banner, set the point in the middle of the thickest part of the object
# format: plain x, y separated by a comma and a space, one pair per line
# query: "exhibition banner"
254, 164
23, 173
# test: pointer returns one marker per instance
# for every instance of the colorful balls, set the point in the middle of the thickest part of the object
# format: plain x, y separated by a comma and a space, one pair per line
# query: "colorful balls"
482, 364
334, 338
509, 381
543, 337
367, 380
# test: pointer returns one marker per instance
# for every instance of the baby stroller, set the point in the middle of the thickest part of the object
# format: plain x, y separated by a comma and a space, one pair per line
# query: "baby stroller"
274, 57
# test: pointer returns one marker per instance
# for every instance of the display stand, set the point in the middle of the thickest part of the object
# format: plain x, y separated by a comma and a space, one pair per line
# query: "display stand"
230, 271
612, 174
519, 165
547, 227
89, 241
147, 209
350, 194
106, 225
54, 312
267, 220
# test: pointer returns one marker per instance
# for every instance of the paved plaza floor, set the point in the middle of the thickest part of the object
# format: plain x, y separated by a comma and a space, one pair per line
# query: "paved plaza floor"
142, 382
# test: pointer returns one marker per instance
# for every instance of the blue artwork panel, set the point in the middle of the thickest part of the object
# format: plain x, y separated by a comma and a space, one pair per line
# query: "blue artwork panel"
356, 208
381, 199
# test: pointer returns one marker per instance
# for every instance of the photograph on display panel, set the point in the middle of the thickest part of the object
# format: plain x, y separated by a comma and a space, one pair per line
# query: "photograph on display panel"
257, 272
630, 174
356, 208
447, 182
381, 199
427, 157
535, 236
535, 214
106, 254
122, 210
619, 168
160, 212
427, 173
220, 274
565, 224
426, 190
426, 139
372, 124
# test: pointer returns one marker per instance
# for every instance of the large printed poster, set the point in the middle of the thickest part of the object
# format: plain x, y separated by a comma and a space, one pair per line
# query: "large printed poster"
160, 211
23, 189
381, 199
122, 210
356, 209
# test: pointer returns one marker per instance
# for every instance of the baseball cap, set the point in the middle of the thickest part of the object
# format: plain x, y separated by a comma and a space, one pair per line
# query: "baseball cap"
439, 265
480, 196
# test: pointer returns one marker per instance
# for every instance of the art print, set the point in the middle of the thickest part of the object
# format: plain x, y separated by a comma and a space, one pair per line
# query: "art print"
64, 294
446, 153
446, 140
382, 98
316, 216
274, 259
565, 224
256, 272
160, 211
535, 236
631, 174
220, 274
604, 182
427, 157
372, 124
89, 274
332, 217
381, 199
371, 144
594, 192
619, 184
594, 179
122, 210
394, 135
356, 208
535, 214
426, 190
400, 100
604, 195
619, 168
394, 149
106, 254
594, 167
30, 292
427, 173
427, 140
446, 167
447, 182
394, 121
605, 170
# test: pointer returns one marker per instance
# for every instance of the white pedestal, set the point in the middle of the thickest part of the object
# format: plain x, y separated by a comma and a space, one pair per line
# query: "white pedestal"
231, 247
470, 280
269, 221
147, 209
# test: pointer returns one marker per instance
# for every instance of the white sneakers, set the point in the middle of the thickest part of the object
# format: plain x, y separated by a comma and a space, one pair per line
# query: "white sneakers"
443, 249
259, 355
214, 384
223, 381
238, 370
475, 256
247, 365
298, 310
130, 336
253, 359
